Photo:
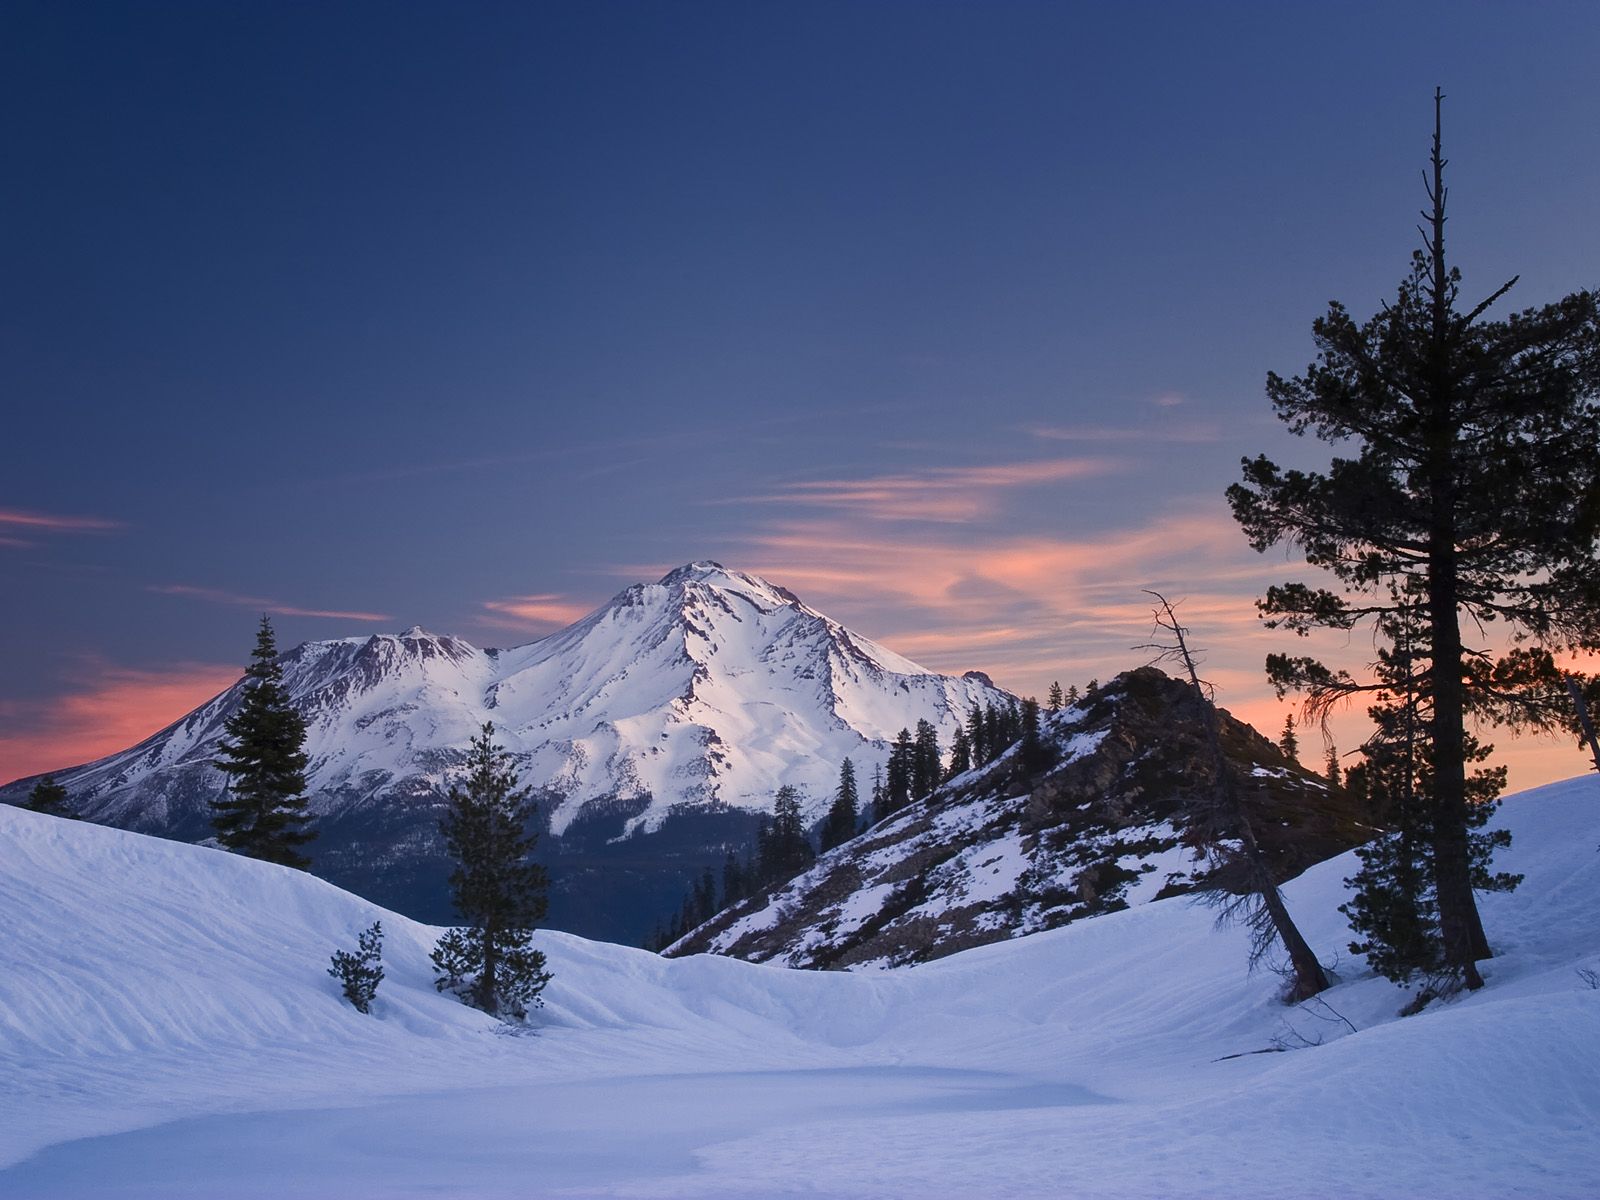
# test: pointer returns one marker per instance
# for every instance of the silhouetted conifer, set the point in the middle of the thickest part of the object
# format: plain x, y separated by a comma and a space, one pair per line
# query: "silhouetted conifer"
50, 797
497, 889
263, 812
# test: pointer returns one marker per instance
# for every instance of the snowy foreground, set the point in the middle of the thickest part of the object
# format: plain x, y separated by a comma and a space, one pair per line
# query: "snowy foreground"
167, 1030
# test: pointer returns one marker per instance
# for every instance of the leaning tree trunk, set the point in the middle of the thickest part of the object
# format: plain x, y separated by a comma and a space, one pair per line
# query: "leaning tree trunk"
1309, 977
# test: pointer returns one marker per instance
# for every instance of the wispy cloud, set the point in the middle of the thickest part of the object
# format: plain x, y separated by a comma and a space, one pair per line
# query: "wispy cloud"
110, 709
261, 603
938, 494
1028, 608
1191, 433
542, 610
20, 520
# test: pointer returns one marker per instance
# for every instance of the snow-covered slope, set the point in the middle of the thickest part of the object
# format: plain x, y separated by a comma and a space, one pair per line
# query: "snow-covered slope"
711, 686
168, 1003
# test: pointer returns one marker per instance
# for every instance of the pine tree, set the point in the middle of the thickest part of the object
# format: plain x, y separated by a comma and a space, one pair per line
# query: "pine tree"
1072, 695
263, 812
1331, 769
1031, 744
1475, 482
498, 891
734, 887
50, 797
960, 753
786, 851
1055, 699
361, 972
840, 825
705, 897
978, 736
1288, 742
926, 760
897, 781
1394, 907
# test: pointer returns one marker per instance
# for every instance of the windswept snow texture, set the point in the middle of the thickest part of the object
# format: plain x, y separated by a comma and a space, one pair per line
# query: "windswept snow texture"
167, 1030
709, 686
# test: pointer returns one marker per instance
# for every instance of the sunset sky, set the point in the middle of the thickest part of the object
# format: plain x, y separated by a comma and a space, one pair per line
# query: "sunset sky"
951, 317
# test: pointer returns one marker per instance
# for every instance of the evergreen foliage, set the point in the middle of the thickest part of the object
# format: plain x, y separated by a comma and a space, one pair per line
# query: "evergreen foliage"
843, 816
1054, 700
1288, 741
361, 972
263, 812
50, 797
978, 735
960, 753
734, 876
1394, 907
785, 851
1030, 743
927, 763
1474, 491
1331, 767
498, 891
897, 781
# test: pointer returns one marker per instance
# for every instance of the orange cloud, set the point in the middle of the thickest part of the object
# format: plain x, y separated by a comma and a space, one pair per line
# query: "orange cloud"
546, 608
218, 596
117, 709
939, 494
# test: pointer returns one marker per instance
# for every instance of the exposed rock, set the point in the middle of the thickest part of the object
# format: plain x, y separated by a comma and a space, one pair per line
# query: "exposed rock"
1001, 851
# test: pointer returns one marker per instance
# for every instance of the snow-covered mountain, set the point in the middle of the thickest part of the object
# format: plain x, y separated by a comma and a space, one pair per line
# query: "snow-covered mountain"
702, 693
168, 1028
1101, 822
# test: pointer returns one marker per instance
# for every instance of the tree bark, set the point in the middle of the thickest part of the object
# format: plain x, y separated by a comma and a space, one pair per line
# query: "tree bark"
1460, 928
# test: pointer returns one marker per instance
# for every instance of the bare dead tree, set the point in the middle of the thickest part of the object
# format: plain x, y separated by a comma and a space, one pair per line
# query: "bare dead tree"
1239, 883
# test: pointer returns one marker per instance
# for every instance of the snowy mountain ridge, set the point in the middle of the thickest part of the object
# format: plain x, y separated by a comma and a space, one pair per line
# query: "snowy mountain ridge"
701, 693
710, 686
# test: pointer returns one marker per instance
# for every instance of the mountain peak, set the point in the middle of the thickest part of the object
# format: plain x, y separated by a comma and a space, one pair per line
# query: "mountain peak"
713, 574
702, 568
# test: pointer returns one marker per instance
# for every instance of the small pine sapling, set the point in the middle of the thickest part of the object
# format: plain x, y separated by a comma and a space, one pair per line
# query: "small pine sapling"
361, 972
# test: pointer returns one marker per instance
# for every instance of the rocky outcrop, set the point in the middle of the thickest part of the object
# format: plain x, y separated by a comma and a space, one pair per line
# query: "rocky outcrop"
1102, 822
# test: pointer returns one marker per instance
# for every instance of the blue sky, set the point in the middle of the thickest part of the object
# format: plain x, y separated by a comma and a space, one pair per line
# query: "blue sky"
952, 317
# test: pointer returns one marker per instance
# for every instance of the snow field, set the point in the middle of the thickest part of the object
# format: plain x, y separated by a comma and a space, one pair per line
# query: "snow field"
168, 1003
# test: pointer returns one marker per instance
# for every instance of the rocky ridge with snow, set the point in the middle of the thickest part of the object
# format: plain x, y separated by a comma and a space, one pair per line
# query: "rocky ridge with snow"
1003, 851
684, 703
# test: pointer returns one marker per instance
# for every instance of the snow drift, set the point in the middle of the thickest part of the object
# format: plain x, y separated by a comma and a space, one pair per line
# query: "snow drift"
168, 1003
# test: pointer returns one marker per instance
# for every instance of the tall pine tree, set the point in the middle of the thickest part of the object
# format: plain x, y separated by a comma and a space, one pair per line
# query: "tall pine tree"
1474, 484
843, 815
927, 763
785, 851
498, 890
263, 811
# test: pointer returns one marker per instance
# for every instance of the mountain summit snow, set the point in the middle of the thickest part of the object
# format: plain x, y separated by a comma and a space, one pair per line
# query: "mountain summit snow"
703, 692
